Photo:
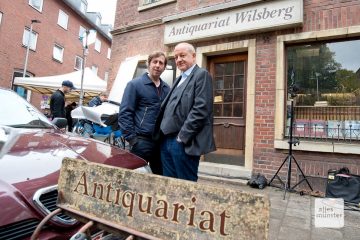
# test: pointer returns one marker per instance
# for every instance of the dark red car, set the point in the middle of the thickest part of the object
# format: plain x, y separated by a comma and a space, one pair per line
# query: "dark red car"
29, 170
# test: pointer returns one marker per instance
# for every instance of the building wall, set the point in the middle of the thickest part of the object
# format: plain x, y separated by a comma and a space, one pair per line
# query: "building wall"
319, 16
18, 14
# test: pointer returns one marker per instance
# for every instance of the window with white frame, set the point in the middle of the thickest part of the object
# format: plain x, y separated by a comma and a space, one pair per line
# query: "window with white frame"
78, 63
109, 53
58, 53
63, 19
97, 45
106, 76
30, 39
94, 69
145, 4
82, 31
37, 4
1, 15
83, 7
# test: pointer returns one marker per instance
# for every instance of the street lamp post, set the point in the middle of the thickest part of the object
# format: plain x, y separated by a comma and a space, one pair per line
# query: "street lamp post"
90, 36
28, 45
85, 52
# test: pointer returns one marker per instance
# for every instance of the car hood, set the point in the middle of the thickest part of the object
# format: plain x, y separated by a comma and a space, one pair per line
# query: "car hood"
34, 161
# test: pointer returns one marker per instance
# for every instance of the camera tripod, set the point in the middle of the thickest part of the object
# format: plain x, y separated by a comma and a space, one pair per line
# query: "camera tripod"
290, 157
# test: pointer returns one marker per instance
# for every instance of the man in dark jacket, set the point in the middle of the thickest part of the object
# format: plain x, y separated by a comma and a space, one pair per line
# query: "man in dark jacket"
57, 100
139, 109
98, 100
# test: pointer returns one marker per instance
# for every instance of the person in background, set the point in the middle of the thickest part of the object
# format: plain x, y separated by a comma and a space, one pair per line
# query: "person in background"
68, 110
186, 118
57, 100
139, 109
98, 100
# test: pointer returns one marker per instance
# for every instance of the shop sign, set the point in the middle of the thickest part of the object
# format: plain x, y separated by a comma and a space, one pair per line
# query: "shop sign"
160, 207
270, 15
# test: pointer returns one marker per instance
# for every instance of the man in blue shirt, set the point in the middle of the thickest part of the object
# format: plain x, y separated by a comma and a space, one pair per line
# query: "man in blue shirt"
139, 110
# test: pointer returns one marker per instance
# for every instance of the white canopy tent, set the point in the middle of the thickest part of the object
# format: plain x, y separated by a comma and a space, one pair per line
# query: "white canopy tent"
92, 85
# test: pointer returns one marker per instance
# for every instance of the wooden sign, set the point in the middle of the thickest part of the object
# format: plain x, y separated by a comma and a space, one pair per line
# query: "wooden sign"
162, 207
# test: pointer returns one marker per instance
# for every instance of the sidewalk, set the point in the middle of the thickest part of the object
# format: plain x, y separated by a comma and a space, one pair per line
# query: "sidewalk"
293, 218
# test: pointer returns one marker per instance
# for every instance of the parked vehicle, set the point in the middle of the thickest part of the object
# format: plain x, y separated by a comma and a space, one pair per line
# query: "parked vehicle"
29, 170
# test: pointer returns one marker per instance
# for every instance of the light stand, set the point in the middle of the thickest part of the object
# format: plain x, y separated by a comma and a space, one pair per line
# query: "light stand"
289, 158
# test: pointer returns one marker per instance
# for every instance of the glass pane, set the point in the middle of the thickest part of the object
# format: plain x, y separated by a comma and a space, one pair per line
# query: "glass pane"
219, 83
229, 82
239, 67
238, 110
327, 75
239, 81
36, 4
219, 96
238, 95
229, 68
219, 69
228, 97
217, 110
227, 110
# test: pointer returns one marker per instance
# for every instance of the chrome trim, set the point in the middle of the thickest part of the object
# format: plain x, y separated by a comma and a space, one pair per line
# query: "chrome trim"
45, 211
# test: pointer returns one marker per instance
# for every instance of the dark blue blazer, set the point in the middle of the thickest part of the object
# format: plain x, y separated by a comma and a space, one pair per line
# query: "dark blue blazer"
194, 111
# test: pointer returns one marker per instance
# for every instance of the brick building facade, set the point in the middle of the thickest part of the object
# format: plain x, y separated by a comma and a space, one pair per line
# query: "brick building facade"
272, 44
16, 18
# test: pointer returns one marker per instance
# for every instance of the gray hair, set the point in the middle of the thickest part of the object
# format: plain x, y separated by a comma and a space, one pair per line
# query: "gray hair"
188, 46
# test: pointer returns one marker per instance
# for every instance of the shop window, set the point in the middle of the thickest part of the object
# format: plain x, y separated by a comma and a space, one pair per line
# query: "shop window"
58, 53
327, 104
37, 4
97, 45
63, 19
78, 63
229, 89
146, 4
29, 39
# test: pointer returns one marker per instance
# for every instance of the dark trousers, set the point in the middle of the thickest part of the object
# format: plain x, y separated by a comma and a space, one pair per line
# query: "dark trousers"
149, 150
176, 163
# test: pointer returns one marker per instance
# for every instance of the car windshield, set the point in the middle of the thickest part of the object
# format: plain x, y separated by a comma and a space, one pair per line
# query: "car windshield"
17, 112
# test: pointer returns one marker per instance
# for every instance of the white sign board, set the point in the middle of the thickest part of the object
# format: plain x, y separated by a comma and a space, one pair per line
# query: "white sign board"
268, 15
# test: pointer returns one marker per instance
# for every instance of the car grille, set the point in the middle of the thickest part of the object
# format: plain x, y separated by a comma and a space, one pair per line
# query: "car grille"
18, 230
45, 199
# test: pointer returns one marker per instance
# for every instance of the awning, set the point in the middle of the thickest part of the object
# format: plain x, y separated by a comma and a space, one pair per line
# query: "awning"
92, 84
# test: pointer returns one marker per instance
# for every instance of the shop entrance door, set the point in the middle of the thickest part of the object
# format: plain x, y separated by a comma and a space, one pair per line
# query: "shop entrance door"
229, 88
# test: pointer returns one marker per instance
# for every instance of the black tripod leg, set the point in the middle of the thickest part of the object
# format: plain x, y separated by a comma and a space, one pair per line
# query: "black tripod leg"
303, 175
276, 174
288, 177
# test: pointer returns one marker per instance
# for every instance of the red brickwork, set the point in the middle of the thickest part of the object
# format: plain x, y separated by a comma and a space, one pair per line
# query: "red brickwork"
18, 14
318, 15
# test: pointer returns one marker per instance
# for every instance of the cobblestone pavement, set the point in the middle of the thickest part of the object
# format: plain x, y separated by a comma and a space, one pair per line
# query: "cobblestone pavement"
293, 218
